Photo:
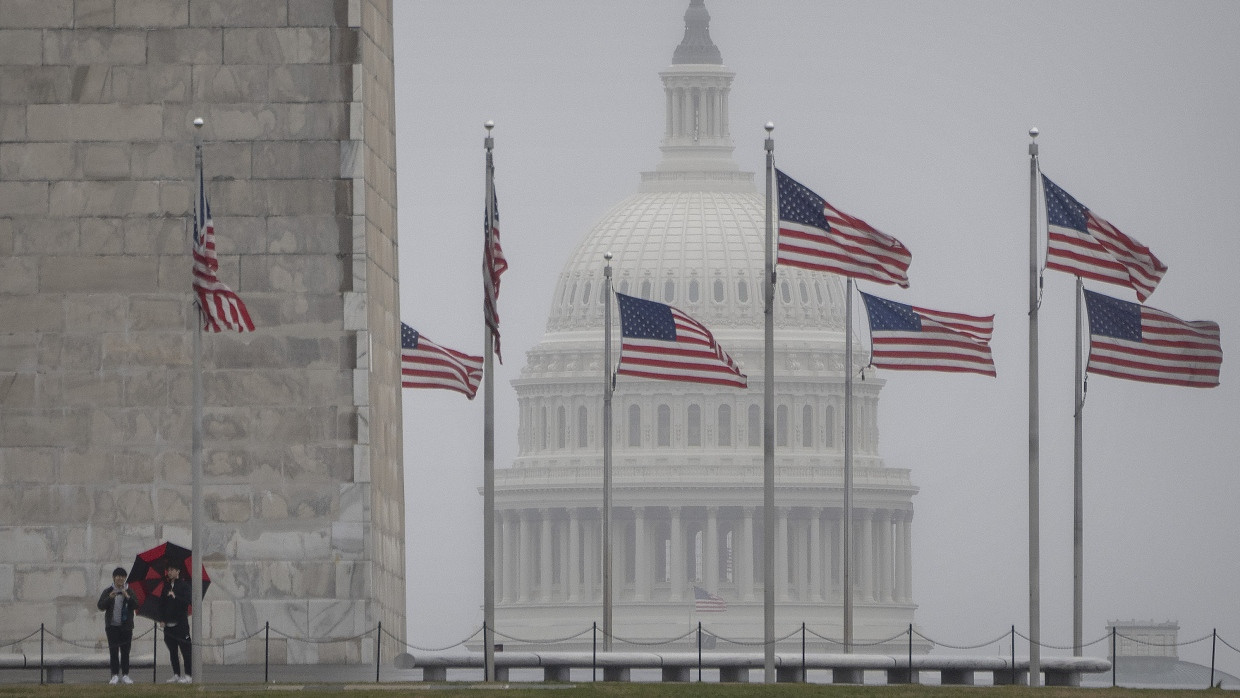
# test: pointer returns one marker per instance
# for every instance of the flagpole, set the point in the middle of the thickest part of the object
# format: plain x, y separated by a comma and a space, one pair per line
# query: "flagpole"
608, 389
488, 434
1035, 610
768, 427
848, 470
1078, 487
197, 543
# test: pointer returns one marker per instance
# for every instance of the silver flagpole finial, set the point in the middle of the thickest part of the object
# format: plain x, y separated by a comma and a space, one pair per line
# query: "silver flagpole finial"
489, 124
770, 126
198, 122
1033, 132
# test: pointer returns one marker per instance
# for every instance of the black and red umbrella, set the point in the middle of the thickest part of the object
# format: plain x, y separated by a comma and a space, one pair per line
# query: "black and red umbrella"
146, 577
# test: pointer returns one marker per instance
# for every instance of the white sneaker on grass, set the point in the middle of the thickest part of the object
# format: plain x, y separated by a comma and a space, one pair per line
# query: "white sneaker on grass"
114, 680
174, 679
187, 679
126, 680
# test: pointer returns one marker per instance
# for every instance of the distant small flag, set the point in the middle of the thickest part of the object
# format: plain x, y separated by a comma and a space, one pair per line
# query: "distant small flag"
221, 308
1081, 243
659, 341
706, 602
815, 235
493, 265
425, 364
1136, 342
906, 337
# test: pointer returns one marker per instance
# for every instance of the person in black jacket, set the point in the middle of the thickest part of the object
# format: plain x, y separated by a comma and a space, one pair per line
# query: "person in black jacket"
174, 614
118, 603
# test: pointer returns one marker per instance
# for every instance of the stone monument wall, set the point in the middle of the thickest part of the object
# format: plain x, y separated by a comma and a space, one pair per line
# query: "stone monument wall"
302, 452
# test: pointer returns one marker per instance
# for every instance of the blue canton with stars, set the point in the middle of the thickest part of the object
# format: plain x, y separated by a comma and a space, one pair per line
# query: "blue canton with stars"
890, 316
1112, 317
800, 205
1061, 209
643, 319
408, 337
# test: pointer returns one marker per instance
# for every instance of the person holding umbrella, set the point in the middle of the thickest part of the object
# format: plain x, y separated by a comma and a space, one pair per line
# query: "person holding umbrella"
118, 603
174, 614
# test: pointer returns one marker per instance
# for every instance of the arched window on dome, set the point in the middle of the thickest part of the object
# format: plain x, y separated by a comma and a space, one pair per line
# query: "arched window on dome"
781, 425
572, 293
807, 426
829, 439
755, 425
542, 423
785, 292
725, 425
645, 289
694, 291
585, 293
664, 426
804, 293
583, 427
818, 291
694, 431
669, 291
561, 428
635, 426
624, 286
718, 290
742, 291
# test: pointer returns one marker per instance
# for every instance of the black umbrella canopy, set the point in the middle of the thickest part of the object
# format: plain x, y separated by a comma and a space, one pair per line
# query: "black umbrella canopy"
146, 577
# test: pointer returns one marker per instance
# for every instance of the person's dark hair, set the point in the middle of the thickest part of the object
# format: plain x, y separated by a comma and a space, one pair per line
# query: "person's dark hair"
119, 572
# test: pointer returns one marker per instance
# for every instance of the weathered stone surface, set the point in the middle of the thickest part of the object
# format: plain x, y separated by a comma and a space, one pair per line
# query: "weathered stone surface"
96, 122
143, 84
38, 236
92, 542
152, 13
24, 198
18, 275
28, 466
222, 84
38, 13
101, 160
21, 47
239, 13
6, 582
97, 312
36, 84
297, 160
108, 273
277, 46
87, 198
34, 161
94, 13
47, 583
28, 544
48, 427
102, 236
310, 83
308, 234
94, 47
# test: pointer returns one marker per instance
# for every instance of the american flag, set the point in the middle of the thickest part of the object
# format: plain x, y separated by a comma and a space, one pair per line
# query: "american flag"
815, 235
706, 602
1128, 340
221, 308
493, 265
1081, 243
425, 364
919, 339
659, 341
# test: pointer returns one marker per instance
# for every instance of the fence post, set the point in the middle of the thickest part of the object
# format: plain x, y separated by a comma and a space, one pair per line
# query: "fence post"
1115, 660
1213, 646
804, 678
910, 653
1013, 654
594, 654
378, 637
699, 643
41, 654
154, 651
266, 651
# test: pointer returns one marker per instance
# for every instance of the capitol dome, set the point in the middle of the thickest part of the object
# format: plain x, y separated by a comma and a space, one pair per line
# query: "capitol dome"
687, 458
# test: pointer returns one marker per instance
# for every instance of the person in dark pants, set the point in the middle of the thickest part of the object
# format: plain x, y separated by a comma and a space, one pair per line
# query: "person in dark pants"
174, 614
118, 603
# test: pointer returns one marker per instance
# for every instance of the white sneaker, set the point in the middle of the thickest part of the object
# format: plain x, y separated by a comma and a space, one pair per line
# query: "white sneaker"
114, 680
126, 680
187, 679
174, 679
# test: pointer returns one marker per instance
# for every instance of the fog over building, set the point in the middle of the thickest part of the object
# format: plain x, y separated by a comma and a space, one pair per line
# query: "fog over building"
687, 498
303, 478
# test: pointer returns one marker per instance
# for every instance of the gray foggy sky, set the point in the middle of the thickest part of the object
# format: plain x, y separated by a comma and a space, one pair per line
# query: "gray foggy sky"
913, 116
